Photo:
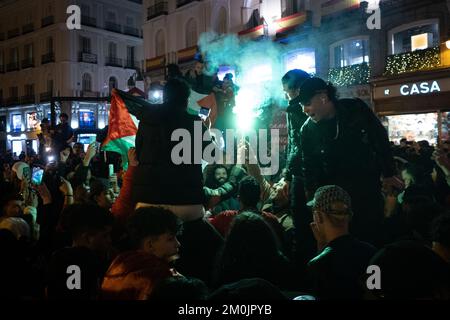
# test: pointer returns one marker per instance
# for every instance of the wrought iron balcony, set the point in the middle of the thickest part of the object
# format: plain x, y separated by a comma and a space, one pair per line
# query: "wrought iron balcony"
27, 63
89, 21
13, 33
160, 8
11, 101
48, 58
47, 21
13, 66
28, 28
88, 57
132, 31
46, 96
132, 64
30, 98
112, 26
113, 62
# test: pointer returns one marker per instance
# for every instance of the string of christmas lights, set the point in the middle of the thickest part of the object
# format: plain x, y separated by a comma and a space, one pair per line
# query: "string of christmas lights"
413, 61
350, 75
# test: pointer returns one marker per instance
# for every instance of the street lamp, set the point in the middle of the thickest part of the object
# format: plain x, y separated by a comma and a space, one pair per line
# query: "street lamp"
447, 44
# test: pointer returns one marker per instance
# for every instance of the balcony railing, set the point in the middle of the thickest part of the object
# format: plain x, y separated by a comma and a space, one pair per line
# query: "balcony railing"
132, 64
113, 62
47, 21
12, 100
158, 9
28, 28
13, 33
356, 74
13, 66
89, 94
27, 63
87, 57
413, 61
114, 27
46, 96
135, 32
181, 3
27, 99
48, 58
88, 21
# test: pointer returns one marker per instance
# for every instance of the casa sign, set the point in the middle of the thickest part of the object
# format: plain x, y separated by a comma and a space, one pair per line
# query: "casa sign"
420, 88
412, 89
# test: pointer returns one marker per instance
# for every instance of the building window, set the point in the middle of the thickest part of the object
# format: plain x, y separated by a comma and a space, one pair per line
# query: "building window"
87, 82
130, 21
419, 36
14, 55
112, 84
191, 33
130, 53
29, 90
49, 44
111, 17
28, 50
349, 52
222, 25
304, 59
255, 20
290, 7
85, 45
160, 44
112, 50
50, 86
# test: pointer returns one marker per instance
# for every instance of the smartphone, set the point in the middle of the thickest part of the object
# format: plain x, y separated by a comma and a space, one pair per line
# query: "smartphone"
36, 177
204, 113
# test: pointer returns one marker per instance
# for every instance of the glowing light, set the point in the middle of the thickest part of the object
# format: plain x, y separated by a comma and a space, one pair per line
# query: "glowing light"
51, 158
156, 94
48, 149
447, 44
304, 59
74, 123
246, 101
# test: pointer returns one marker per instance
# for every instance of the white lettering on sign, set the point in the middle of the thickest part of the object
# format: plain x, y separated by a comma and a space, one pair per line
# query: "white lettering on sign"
419, 88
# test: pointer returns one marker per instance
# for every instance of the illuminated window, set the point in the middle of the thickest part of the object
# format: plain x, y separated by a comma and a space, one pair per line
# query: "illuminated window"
304, 59
410, 38
349, 52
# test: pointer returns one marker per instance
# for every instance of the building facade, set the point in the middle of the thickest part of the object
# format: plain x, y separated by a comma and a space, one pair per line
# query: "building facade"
41, 58
365, 55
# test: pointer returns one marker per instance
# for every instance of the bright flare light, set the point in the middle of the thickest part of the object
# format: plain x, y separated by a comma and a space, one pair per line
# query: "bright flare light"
246, 101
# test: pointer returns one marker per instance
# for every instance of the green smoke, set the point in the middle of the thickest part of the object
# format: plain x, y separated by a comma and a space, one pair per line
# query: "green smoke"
259, 69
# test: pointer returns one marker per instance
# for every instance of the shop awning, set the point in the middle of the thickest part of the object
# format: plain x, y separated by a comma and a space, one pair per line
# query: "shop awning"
290, 22
253, 32
333, 6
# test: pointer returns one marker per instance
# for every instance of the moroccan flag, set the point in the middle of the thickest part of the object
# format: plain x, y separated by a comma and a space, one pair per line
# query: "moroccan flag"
123, 126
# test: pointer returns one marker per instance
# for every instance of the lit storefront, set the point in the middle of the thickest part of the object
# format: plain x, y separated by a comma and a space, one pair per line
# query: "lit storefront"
415, 106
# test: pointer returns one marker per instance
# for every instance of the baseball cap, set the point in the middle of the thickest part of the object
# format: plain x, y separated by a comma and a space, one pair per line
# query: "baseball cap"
20, 168
327, 197
310, 88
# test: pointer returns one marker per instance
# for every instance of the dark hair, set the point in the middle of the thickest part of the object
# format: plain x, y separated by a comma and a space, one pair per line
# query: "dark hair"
294, 78
173, 71
97, 186
440, 230
152, 222
45, 120
176, 93
411, 270
249, 191
210, 172
251, 249
82, 218
180, 289
315, 85
64, 115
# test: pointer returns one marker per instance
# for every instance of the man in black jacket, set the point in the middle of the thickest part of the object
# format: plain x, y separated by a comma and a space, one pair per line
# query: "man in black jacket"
165, 176
295, 118
345, 144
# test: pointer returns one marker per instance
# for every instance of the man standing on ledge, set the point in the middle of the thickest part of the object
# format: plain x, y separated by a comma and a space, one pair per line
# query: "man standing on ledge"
345, 144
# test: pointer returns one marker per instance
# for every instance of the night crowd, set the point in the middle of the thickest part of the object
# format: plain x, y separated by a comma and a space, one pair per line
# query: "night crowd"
346, 199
